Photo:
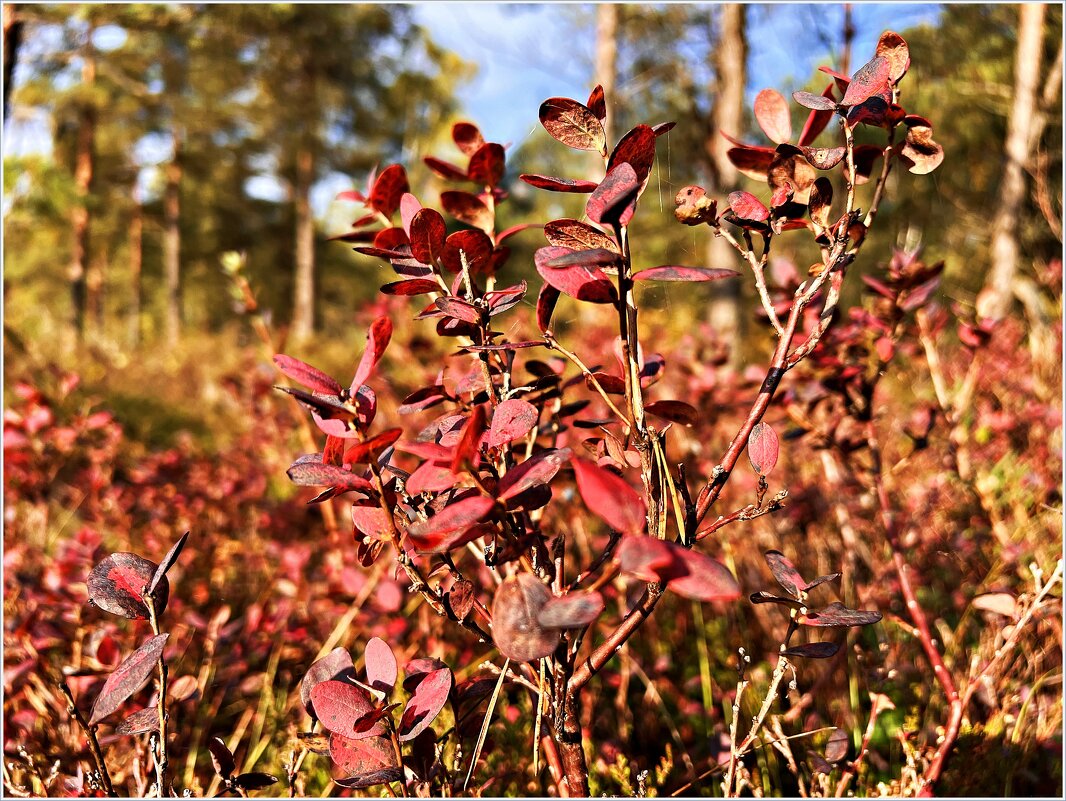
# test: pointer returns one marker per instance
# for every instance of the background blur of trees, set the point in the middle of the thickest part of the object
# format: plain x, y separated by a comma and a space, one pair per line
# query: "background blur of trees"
181, 132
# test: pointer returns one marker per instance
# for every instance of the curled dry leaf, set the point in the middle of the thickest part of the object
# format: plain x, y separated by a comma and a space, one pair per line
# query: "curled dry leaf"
693, 207
515, 630
919, 149
893, 48
577, 235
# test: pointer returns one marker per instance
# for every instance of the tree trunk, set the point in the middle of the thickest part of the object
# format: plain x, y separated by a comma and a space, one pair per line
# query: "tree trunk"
80, 216
303, 312
571, 749
995, 299
172, 240
606, 69
12, 41
730, 59
136, 246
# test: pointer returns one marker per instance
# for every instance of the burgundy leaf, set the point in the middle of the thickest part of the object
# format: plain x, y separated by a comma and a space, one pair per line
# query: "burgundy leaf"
443, 169
836, 615
168, 562
836, 747
467, 137
535, 471
487, 165
459, 309
388, 189
515, 630
476, 246
426, 703
127, 678
428, 232
512, 420
335, 664
117, 582
597, 103
377, 339
340, 705
813, 650
307, 375
763, 447
315, 474
571, 611
872, 79
636, 148
676, 272
381, 668
615, 199
573, 124
748, 207
469, 209
577, 235
411, 286
674, 411
466, 451
598, 257
546, 300
445, 529
785, 573
610, 497
369, 450
502, 300
553, 184
771, 112
221, 758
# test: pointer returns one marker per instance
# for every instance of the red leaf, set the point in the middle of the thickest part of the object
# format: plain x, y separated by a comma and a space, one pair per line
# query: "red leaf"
305, 374
372, 522
571, 611
431, 477
377, 339
411, 286
475, 244
443, 169
763, 446
127, 678
584, 283
771, 112
535, 471
469, 209
577, 235
367, 761
573, 124
688, 573
610, 498
836, 615
597, 104
748, 207
674, 411
871, 79
340, 706
428, 232
445, 529
409, 207
487, 165
116, 583
636, 148
466, 451
381, 666
316, 474
459, 309
785, 573
515, 630
553, 184
388, 189
335, 664
615, 199
428, 700
371, 449
467, 137
675, 272
512, 420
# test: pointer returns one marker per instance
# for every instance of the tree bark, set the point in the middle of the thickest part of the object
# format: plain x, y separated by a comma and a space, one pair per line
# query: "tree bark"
136, 247
12, 41
81, 219
172, 239
606, 68
303, 312
995, 299
730, 58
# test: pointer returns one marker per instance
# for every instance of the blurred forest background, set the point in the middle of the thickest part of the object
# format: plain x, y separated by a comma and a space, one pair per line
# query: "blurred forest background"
144, 143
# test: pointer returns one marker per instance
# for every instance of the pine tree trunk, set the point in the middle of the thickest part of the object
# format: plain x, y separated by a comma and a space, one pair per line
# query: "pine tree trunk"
995, 299
172, 240
606, 69
303, 312
136, 246
730, 58
81, 220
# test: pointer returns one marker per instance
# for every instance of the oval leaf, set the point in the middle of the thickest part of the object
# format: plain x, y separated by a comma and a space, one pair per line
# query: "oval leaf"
116, 583
381, 668
335, 664
515, 630
610, 497
128, 678
615, 199
427, 702
676, 272
771, 112
571, 611
340, 706
763, 447
512, 420
445, 530
311, 377
573, 124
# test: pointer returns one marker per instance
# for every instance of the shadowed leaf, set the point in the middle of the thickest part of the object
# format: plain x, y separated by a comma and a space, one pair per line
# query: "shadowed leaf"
571, 611
127, 678
426, 703
813, 650
515, 630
